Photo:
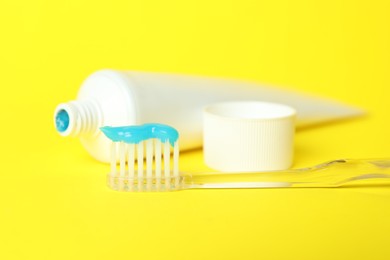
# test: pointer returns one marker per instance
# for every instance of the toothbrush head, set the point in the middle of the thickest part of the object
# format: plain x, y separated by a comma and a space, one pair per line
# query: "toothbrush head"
144, 158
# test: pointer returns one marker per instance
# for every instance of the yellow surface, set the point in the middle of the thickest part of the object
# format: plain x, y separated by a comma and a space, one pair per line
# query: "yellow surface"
53, 200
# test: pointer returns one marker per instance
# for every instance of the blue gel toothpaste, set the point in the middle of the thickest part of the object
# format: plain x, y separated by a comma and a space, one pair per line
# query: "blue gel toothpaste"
138, 133
62, 121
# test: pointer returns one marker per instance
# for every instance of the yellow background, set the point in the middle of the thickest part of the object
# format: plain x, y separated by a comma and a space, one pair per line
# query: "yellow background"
53, 200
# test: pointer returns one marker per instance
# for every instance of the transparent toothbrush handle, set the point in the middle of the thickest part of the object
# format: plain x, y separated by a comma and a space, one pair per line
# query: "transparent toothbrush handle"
331, 174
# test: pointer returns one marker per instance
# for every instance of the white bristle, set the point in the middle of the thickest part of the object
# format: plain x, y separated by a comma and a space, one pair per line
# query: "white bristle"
113, 164
122, 163
158, 174
113, 159
157, 160
140, 164
122, 159
149, 164
176, 163
167, 162
131, 165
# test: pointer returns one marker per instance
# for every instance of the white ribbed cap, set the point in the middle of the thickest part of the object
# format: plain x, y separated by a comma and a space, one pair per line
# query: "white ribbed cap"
248, 136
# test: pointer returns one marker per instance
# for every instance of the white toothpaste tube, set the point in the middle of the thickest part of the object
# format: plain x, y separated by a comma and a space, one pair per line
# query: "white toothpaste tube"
117, 98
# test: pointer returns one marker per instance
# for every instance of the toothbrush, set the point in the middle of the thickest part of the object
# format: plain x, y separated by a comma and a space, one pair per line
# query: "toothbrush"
159, 145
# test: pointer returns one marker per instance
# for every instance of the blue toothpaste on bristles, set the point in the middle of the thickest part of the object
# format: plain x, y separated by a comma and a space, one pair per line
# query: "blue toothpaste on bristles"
138, 133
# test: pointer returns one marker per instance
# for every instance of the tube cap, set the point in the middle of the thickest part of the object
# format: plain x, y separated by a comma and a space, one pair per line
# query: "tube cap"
248, 136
